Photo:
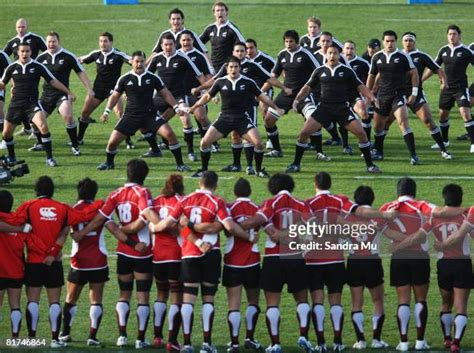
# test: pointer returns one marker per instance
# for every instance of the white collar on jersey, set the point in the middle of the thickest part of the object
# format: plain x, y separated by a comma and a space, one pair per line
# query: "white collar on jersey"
410, 52
204, 191
26, 35
242, 199
284, 192
171, 56
186, 52
58, 52
323, 192
234, 82
25, 64
294, 52
127, 185
450, 46
222, 25
405, 198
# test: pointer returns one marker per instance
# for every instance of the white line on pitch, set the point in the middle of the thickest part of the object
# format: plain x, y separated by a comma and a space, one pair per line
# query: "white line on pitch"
427, 20
103, 21
185, 177
423, 177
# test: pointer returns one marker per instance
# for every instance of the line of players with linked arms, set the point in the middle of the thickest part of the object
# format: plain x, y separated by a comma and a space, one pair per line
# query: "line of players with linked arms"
174, 238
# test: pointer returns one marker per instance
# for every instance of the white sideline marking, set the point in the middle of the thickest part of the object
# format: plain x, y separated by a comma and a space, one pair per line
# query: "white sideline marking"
422, 177
102, 21
427, 20
185, 177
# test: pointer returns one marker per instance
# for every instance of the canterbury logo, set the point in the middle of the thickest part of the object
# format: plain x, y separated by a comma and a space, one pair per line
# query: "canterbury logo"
48, 213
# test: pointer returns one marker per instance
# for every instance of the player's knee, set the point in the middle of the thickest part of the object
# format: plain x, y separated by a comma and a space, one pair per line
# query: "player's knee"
209, 289
190, 290
162, 286
258, 147
176, 287
144, 285
126, 286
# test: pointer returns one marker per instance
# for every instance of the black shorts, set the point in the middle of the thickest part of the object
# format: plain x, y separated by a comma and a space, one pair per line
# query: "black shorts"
412, 272
131, 123
340, 113
161, 105
206, 268
2, 96
448, 97
419, 102
454, 273
333, 276
127, 265
249, 277
471, 90
387, 104
38, 275
52, 100
167, 271
6, 283
238, 123
366, 272
353, 99
276, 272
102, 92
252, 112
82, 277
286, 102
19, 112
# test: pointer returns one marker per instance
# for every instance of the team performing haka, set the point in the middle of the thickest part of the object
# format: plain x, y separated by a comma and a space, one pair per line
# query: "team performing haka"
175, 239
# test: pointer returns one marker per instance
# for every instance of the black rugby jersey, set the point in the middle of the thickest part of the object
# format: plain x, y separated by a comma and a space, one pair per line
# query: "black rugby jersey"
109, 65
197, 43
60, 64
35, 41
455, 60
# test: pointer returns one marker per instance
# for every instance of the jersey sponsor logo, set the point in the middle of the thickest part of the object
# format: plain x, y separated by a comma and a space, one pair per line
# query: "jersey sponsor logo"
193, 58
225, 88
61, 61
159, 64
224, 34
45, 62
147, 82
422, 100
14, 45
98, 61
130, 83
463, 97
459, 54
396, 60
242, 87
355, 67
249, 126
298, 60
111, 61
212, 34
283, 60
32, 70
48, 213
341, 74
245, 70
323, 74
15, 72
416, 59
175, 65
445, 54
379, 61
400, 103
28, 41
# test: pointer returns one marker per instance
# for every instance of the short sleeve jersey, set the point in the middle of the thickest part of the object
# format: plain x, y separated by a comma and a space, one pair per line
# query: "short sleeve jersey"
455, 60
109, 65
361, 67
249, 69
421, 61
12, 246
264, 60
203, 65
35, 41
177, 35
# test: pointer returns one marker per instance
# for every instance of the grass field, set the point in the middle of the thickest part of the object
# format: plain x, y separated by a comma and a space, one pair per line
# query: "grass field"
79, 23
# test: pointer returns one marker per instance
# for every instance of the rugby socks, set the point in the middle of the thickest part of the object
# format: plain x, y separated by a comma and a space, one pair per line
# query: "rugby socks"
272, 133
446, 321
421, 318
236, 153
318, 322
37, 135
469, 125
165, 141
128, 141
251, 318
436, 135
71, 130
272, 317
344, 136
82, 129
337, 319
10, 142
110, 155
188, 137
47, 144
233, 319
409, 141
379, 140
122, 310
177, 153
27, 127
187, 315
460, 323
69, 311
32, 316
358, 323
300, 148
303, 314
150, 137
55, 320
365, 150
258, 159
333, 132
377, 325
143, 314
174, 322
205, 157
15, 319
367, 125
159, 313
444, 126
207, 321
248, 150
403, 318
95, 314
316, 140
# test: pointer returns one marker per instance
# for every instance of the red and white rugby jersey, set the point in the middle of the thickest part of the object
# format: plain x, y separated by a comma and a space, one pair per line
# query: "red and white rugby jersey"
90, 253
470, 216
129, 202
282, 210
240, 252
48, 217
369, 235
442, 228
412, 215
326, 207
200, 207
166, 247
12, 246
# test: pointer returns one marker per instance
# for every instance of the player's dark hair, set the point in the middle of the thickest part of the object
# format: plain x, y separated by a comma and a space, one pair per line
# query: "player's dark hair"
6, 201
325, 33
333, 45
406, 187
233, 59
322, 180
242, 44
364, 195
242, 188
176, 11
291, 33
188, 32
351, 42
108, 35
138, 53
24, 45
173, 185
390, 33
44, 186
209, 179
452, 195
279, 182
454, 28
87, 189
220, 3
53, 34
137, 171
250, 40
168, 36
409, 33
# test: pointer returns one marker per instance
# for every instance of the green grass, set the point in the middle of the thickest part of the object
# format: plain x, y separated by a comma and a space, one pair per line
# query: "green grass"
264, 21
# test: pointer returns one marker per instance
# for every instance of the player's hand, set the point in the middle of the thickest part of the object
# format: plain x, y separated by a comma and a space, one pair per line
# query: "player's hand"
205, 247
411, 100
438, 245
294, 106
104, 118
141, 247
444, 86
183, 221
76, 235
195, 91
216, 100
281, 111
182, 111
287, 91
72, 97
26, 228
48, 260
